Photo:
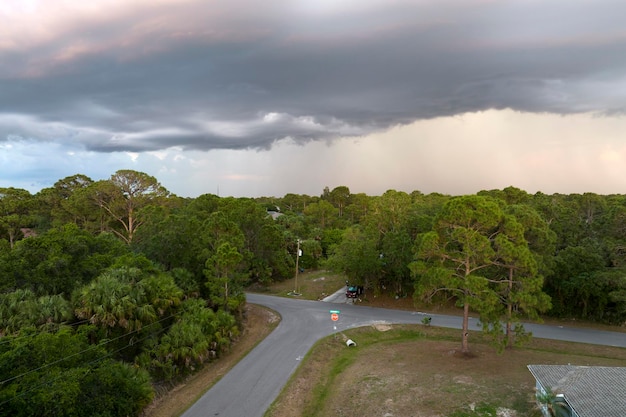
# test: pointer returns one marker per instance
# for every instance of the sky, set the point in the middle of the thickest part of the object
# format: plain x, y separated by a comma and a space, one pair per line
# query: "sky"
247, 99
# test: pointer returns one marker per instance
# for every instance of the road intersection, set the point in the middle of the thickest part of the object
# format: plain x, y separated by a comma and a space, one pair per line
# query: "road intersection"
253, 384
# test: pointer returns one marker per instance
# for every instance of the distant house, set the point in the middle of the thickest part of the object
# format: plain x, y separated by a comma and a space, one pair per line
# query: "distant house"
583, 391
26, 232
274, 214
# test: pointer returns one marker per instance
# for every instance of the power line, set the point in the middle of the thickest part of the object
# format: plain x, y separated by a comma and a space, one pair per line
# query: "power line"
13, 338
84, 351
90, 365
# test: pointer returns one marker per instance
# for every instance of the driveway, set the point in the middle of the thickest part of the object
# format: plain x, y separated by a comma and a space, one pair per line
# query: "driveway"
253, 384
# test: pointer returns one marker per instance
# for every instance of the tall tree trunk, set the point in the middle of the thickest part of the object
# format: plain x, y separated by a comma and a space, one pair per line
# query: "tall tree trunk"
11, 238
464, 339
131, 225
509, 313
226, 295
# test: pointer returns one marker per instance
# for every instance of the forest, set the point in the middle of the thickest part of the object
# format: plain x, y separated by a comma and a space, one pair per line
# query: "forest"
112, 291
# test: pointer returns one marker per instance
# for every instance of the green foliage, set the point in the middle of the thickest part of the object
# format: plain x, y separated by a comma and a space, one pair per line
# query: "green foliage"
518, 284
396, 255
311, 254
21, 309
330, 239
122, 298
358, 208
340, 198
452, 256
186, 282
505, 254
554, 405
189, 236
126, 198
57, 261
246, 225
60, 374
357, 256
69, 202
271, 261
202, 206
198, 335
16, 311
322, 214
390, 212
171, 240
123, 304
295, 203
15, 212
117, 389
580, 282
478, 253
225, 280
541, 239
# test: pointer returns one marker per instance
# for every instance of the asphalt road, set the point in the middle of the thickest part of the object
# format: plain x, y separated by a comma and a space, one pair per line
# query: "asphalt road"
253, 384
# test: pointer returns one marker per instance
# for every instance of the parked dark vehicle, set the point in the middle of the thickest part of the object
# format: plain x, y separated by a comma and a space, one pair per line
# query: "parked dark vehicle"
352, 292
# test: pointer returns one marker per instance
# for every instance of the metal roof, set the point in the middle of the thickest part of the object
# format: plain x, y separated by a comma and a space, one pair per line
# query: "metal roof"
591, 391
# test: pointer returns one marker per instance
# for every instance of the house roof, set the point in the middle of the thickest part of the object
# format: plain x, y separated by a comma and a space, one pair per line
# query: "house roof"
274, 214
591, 391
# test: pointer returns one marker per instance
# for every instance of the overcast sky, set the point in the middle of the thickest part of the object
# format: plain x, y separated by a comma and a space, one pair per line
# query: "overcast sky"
249, 98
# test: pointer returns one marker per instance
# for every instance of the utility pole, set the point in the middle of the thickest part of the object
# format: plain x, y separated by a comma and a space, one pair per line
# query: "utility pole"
295, 290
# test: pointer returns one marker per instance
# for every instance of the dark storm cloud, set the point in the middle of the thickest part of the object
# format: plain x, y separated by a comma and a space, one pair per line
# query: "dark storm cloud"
202, 77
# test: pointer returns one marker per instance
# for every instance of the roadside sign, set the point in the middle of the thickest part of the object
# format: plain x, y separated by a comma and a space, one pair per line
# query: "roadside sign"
335, 311
334, 317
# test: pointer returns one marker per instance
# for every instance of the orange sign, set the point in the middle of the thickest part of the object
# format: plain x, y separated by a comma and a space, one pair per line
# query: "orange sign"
334, 317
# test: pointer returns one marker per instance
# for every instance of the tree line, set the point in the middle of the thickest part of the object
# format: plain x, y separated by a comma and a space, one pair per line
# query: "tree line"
113, 290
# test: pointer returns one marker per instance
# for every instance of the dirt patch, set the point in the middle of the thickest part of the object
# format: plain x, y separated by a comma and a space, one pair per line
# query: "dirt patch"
259, 323
382, 327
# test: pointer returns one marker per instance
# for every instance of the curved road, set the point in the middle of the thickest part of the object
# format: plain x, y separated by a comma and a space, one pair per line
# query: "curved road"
253, 384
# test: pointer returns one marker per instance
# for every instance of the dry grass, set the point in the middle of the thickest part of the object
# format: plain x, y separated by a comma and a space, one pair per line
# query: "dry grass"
310, 285
417, 371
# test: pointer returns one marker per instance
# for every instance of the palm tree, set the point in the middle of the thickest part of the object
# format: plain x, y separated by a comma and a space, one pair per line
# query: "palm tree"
52, 310
17, 310
161, 292
555, 406
188, 343
112, 302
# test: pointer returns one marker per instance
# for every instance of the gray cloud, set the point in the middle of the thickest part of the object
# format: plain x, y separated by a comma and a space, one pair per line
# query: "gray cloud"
201, 77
